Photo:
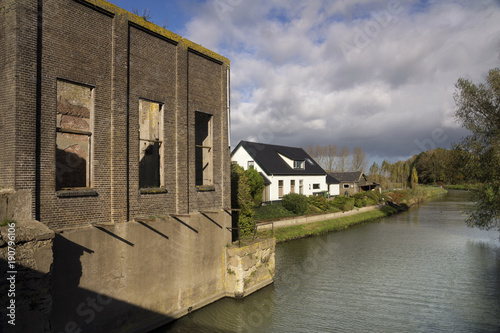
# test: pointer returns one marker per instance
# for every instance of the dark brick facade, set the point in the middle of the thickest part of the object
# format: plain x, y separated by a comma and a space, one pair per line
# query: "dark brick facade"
123, 59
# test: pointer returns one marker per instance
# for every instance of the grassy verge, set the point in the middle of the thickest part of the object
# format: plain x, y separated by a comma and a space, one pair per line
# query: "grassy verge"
323, 227
408, 197
464, 187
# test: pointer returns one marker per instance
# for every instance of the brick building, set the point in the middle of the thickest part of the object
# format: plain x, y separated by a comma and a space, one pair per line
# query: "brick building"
107, 117
114, 135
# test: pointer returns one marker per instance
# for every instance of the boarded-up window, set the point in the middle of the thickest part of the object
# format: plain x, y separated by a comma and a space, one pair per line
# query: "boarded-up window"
204, 149
74, 135
150, 144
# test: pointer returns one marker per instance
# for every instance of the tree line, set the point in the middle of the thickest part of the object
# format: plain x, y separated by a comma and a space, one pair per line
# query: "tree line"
331, 159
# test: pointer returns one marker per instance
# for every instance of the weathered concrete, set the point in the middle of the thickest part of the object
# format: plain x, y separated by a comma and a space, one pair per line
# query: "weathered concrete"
147, 273
13, 205
249, 268
314, 218
26, 260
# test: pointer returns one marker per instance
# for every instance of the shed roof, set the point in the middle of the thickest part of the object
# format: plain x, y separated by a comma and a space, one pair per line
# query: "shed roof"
347, 177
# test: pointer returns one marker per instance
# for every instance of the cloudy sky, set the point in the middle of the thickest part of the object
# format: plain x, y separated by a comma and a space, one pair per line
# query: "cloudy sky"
369, 73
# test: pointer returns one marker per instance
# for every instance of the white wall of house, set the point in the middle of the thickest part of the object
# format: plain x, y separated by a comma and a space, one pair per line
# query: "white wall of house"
243, 158
310, 185
334, 189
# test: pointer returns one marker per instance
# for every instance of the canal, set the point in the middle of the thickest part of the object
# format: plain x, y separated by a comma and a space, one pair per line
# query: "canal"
418, 271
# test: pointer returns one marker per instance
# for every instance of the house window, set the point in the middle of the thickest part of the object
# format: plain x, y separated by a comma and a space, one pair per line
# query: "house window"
250, 164
292, 186
280, 188
74, 128
346, 186
298, 164
301, 186
150, 144
316, 186
204, 149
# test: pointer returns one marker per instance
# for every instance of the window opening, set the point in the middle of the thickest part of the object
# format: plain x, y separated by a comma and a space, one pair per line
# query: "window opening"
150, 144
204, 149
74, 129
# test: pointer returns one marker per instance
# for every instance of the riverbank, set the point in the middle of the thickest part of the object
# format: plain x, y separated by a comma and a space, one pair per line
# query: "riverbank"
402, 198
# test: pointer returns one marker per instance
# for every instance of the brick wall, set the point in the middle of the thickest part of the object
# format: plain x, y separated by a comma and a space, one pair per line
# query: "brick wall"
8, 23
124, 59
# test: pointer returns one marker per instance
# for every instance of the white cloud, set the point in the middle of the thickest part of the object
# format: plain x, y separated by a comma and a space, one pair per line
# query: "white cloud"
292, 84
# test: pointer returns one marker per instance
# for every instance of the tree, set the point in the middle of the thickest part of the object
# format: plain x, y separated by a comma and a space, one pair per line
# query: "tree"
241, 198
324, 156
358, 159
414, 178
478, 109
343, 160
374, 172
256, 185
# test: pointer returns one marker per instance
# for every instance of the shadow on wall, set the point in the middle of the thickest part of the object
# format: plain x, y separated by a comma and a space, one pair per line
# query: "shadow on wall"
72, 309
71, 169
77, 308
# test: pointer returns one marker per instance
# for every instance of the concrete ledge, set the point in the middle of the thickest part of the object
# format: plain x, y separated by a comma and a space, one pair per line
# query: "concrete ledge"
27, 231
314, 218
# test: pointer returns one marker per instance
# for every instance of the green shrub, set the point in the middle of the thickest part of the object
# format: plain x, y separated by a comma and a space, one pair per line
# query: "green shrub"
318, 201
360, 203
295, 202
343, 203
272, 212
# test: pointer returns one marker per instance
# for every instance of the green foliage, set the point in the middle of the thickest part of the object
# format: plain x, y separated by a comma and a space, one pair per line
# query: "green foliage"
241, 198
256, 184
414, 178
295, 202
318, 201
272, 212
343, 203
478, 109
6, 222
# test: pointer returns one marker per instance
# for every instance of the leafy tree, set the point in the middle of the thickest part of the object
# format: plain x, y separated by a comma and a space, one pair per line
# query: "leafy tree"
374, 172
241, 198
256, 184
414, 178
478, 109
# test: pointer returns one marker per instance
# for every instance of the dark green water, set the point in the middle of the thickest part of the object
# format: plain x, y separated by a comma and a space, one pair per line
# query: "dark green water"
419, 271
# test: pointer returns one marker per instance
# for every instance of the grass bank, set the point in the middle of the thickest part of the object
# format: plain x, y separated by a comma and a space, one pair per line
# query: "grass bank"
406, 197
464, 187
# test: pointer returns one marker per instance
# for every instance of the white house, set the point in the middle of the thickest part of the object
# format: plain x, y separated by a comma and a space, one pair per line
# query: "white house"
284, 169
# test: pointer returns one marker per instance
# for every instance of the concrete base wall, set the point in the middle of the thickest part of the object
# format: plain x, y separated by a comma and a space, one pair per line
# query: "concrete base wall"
25, 262
141, 274
127, 277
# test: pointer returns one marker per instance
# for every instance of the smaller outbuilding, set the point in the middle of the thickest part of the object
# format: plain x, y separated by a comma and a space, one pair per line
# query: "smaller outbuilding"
353, 182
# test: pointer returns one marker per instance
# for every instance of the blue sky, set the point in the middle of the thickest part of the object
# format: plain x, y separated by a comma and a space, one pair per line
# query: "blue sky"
369, 73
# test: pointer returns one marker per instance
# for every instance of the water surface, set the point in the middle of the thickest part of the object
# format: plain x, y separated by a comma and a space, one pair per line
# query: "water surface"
419, 271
